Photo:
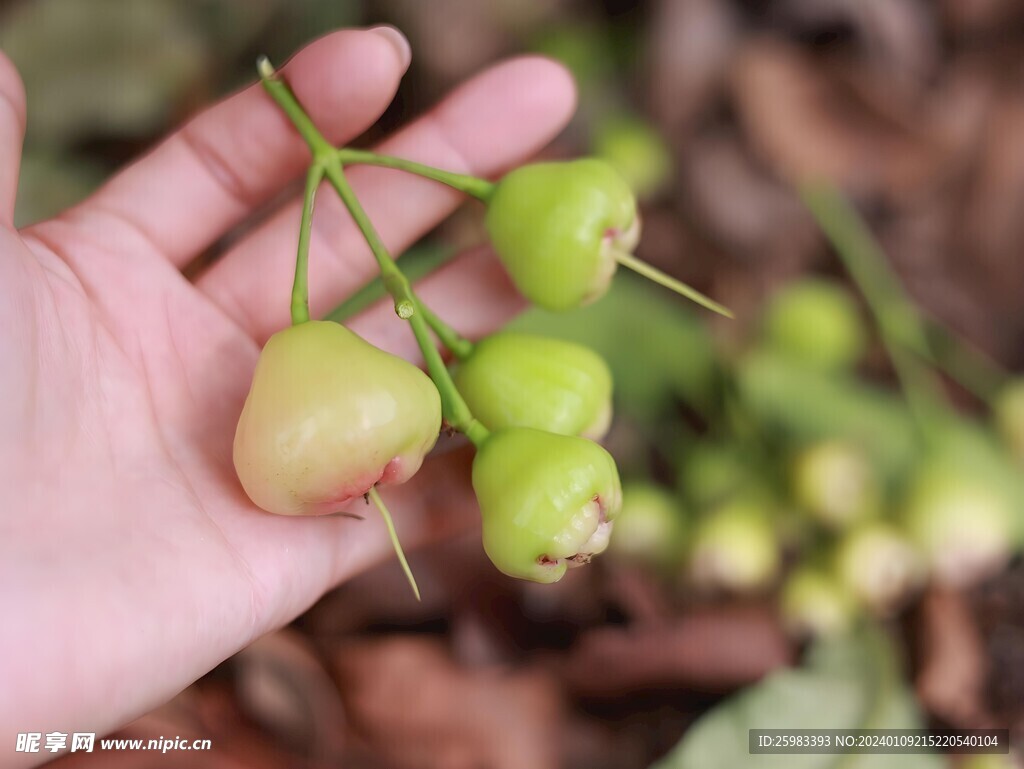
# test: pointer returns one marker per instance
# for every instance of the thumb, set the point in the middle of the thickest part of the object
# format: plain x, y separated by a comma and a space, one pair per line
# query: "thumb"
12, 132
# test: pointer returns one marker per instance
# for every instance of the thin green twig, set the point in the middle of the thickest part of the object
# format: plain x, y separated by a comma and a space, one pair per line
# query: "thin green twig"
471, 185
460, 347
286, 100
300, 287
416, 264
900, 325
454, 408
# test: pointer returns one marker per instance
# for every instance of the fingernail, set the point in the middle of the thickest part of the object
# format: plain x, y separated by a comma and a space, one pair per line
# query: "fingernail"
397, 40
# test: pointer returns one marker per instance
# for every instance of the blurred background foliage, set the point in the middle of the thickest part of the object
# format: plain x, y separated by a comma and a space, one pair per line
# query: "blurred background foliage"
824, 496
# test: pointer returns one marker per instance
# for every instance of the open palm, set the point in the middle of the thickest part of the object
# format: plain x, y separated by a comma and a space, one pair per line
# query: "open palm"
131, 561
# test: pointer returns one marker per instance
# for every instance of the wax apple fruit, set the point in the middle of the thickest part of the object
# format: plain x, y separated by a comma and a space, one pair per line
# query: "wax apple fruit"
817, 323
963, 525
523, 380
558, 226
547, 501
328, 416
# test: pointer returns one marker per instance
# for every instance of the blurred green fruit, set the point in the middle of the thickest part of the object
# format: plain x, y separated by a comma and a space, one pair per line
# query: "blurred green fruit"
650, 528
711, 471
879, 565
735, 546
835, 482
817, 323
583, 48
801, 404
635, 150
813, 602
963, 526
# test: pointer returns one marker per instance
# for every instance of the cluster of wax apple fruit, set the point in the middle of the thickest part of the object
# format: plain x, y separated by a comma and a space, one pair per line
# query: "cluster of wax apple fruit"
830, 494
329, 416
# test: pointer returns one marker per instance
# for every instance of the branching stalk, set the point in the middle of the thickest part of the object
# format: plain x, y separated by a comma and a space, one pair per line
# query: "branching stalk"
394, 280
460, 347
470, 185
455, 410
300, 287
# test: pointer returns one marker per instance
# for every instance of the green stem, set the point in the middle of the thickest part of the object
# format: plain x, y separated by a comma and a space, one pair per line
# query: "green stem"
471, 185
460, 347
659, 277
379, 503
416, 264
900, 325
282, 94
454, 408
393, 278
300, 287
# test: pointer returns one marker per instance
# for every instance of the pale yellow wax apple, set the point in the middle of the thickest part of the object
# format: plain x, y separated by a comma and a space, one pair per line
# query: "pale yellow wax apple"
328, 417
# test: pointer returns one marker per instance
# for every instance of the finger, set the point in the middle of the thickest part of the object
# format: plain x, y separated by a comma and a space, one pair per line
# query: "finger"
494, 121
472, 293
12, 133
228, 160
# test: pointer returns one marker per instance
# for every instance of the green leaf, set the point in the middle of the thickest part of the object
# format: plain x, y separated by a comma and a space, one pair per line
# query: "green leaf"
847, 683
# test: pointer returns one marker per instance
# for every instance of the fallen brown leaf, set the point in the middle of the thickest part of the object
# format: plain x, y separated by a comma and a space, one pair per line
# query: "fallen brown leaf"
805, 121
716, 649
953, 666
416, 708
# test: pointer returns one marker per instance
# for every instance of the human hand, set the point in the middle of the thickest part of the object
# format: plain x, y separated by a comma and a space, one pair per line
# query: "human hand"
131, 560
